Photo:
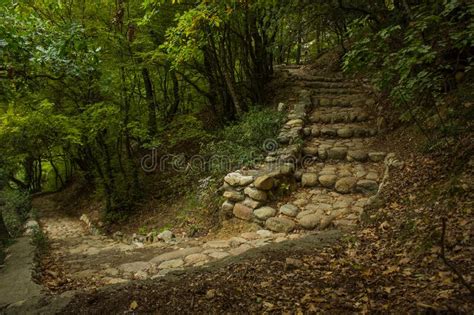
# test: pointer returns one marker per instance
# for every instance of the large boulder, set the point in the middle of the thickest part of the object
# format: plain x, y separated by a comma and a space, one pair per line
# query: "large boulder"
280, 225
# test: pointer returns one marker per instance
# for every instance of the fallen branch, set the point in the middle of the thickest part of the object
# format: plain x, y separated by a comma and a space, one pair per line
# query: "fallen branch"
449, 264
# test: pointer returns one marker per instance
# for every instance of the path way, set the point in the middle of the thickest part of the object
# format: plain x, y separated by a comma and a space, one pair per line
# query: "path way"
79, 259
338, 174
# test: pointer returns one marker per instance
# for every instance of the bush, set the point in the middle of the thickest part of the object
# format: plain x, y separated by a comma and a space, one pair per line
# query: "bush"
17, 206
245, 142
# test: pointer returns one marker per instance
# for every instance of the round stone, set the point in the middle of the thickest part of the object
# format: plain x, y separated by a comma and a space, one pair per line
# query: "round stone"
280, 225
358, 155
242, 212
367, 186
345, 185
310, 221
345, 132
234, 196
256, 194
377, 156
264, 213
289, 210
309, 180
337, 153
328, 181
264, 182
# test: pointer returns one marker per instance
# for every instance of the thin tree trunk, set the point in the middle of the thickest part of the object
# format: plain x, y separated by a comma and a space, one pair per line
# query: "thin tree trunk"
150, 98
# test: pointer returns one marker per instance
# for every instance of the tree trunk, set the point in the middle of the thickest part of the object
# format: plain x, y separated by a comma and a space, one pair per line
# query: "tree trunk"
150, 98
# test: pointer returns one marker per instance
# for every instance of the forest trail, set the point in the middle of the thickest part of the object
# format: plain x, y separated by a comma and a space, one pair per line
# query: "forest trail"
337, 158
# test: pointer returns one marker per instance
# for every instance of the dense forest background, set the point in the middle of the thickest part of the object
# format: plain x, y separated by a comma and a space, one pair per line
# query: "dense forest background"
90, 87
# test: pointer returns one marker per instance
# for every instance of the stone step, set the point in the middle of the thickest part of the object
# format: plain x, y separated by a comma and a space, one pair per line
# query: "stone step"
345, 101
311, 78
337, 91
339, 115
312, 208
341, 130
329, 85
344, 150
344, 178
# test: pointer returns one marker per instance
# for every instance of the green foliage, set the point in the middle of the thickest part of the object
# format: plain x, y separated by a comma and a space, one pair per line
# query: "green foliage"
15, 210
415, 56
242, 143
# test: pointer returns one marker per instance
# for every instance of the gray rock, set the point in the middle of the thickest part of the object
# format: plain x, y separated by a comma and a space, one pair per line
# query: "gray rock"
166, 236
254, 204
256, 194
326, 221
135, 267
377, 156
337, 153
264, 213
289, 210
328, 181
280, 225
175, 263
176, 254
345, 132
237, 179
367, 186
265, 233
345, 185
282, 107
234, 196
264, 182
243, 212
227, 206
329, 132
358, 155
310, 221
309, 180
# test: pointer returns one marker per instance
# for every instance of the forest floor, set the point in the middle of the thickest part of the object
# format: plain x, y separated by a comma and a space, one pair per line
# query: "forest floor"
401, 258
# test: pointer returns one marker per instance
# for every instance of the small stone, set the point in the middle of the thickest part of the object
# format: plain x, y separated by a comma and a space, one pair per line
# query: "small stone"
326, 221
329, 132
236, 241
372, 176
345, 185
309, 180
253, 204
256, 194
367, 186
281, 107
278, 225
233, 196
310, 221
195, 258
217, 244
243, 212
358, 155
295, 123
377, 156
166, 236
289, 210
265, 233
264, 182
337, 153
264, 213
237, 179
227, 206
134, 267
328, 181
219, 255
345, 132
175, 263
176, 254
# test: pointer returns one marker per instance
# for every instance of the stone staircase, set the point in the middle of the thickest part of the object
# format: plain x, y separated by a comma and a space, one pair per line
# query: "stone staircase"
324, 157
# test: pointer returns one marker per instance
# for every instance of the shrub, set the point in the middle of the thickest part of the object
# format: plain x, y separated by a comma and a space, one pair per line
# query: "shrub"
17, 206
244, 142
